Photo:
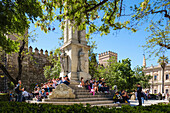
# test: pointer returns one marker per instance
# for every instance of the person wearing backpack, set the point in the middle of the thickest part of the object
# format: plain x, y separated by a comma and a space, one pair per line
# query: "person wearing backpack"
139, 92
19, 91
142, 97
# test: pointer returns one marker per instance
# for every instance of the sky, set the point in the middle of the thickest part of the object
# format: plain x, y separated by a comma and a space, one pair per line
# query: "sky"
125, 43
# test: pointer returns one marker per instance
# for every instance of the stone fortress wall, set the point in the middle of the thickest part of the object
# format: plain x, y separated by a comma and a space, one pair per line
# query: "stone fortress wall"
33, 64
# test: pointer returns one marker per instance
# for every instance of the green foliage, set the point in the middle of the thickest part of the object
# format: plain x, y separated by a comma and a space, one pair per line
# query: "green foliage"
156, 14
15, 18
141, 77
93, 64
4, 97
20, 107
163, 60
88, 10
8, 45
86, 14
54, 70
121, 74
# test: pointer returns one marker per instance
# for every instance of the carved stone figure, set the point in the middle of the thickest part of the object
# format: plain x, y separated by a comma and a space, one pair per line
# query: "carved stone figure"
79, 60
62, 61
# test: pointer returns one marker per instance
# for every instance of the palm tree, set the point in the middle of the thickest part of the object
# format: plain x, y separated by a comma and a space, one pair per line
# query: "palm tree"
163, 61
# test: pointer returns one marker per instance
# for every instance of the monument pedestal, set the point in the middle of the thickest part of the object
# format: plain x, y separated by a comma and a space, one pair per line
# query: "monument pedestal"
62, 91
85, 75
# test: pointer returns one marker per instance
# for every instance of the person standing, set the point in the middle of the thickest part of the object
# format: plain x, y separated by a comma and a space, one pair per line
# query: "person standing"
146, 95
163, 96
167, 96
19, 98
139, 90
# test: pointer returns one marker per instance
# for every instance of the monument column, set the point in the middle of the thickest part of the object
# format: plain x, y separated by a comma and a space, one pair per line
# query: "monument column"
75, 50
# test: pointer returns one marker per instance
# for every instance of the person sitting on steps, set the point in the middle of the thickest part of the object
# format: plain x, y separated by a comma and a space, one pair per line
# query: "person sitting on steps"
87, 85
117, 98
66, 80
81, 83
95, 87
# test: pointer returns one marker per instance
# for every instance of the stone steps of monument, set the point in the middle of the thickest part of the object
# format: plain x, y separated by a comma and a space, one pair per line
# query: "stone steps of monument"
76, 87
83, 96
77, 100
88, 93
83, 93
80, 92
92, 96
72, 103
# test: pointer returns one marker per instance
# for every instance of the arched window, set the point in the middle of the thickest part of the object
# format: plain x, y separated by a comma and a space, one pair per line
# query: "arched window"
155, 91
166, 90
155, 77
167, 76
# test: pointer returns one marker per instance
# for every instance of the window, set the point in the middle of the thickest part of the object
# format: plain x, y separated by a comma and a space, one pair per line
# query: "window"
155, 77
167, 76
155, 91
166, 91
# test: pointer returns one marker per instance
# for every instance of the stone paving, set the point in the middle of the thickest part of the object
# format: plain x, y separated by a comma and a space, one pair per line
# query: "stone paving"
147, 103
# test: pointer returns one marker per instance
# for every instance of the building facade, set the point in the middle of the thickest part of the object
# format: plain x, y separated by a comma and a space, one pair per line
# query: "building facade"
156, 81
104, 57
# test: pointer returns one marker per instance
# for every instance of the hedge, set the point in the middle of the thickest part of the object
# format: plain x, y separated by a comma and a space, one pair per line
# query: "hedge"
4, 97
17, 107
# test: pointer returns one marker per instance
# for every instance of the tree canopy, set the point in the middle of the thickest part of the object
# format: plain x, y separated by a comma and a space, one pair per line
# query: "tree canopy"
53, 70
106, 15
121, 74
92, 15
15, 17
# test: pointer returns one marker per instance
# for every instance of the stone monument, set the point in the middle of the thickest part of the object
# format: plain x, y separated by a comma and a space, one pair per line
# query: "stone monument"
62, 91
74, 57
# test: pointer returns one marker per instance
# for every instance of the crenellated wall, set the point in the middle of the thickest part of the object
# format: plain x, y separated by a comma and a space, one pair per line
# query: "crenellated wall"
105, 56
33, 64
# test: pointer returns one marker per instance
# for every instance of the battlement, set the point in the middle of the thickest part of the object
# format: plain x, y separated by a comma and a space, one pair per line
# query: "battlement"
40, 52
105, 56
108, 53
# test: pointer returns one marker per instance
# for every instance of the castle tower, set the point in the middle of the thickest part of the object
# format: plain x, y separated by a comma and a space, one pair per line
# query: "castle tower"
144, 61
104, 57
74, 57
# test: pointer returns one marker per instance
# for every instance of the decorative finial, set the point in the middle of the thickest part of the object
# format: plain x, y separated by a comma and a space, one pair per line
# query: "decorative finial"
144, 61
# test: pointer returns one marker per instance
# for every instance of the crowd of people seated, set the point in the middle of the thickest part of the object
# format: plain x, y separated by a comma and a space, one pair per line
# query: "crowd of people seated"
121, 97
95, 86
45, 89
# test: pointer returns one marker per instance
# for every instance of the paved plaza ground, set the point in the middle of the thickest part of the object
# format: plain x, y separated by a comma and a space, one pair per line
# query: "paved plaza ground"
147, 103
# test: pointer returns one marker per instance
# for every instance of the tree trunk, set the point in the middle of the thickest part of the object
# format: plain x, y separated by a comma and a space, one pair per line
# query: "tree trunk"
20, 59
7, 73
163, 68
